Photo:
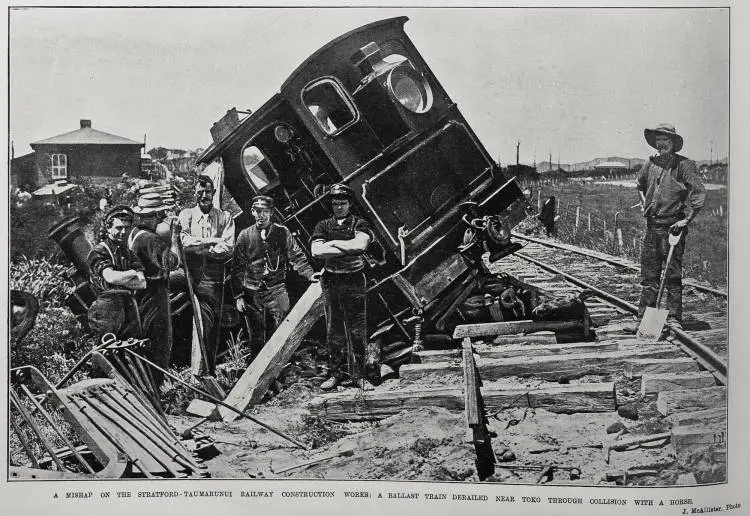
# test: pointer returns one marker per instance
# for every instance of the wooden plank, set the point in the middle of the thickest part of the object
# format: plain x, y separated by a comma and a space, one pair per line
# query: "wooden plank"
202, 408
542, 338
255, 381
545, 367
652, 383
511, 328
471, 407
694, 438
711, 415
562, 399
637, 367
690, 400
534, 350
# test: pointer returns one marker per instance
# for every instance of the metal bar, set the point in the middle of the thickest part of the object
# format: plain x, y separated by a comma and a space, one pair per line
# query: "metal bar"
105, 342
59, 432
703, 355
613, 261
149, 413
136, 462
148, 392
30, 420
127, 373
600, 293
91, 399
24, 442
166, 446
149, 379
167, 438
220, 402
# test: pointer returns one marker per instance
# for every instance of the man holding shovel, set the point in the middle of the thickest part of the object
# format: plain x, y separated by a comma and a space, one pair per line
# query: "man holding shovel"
208, 241
671, 194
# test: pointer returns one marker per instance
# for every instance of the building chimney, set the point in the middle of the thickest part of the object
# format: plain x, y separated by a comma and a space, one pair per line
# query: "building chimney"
85, 123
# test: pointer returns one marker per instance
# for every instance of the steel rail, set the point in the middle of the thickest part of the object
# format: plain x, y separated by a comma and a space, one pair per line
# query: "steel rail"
701, 353
604, 258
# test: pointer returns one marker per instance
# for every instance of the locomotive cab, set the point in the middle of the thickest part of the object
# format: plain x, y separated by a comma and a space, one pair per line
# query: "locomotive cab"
366, 110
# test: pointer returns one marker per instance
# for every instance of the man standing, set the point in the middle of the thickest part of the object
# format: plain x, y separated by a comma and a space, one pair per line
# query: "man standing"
262, 256
154, 257
208, 240
340, 242
671, 194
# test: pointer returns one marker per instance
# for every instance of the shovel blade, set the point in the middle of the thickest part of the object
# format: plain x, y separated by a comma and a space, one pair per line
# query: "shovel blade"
652, 323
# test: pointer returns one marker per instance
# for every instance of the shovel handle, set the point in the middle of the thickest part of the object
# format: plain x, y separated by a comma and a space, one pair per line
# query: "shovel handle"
673, 239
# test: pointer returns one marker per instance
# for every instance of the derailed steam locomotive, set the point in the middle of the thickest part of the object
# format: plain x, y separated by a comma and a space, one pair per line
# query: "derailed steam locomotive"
367, 111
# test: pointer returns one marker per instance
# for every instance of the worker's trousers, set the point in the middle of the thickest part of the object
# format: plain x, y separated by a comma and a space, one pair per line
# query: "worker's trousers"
654, 251
345, 298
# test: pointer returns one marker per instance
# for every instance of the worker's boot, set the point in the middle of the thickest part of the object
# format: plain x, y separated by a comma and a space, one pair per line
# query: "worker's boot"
330, 383
364, 384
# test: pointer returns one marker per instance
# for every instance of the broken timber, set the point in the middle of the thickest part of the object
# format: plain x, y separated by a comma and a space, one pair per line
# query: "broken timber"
477, 431
256, 380
655, 383
544, 367
517, 350
638, 367
512, 327
561, 399
691, 400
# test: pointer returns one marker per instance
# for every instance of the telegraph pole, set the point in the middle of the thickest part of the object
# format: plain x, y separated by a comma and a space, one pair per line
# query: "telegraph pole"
518, 146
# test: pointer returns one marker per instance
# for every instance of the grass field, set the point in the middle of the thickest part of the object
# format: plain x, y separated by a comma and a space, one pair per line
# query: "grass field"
597, 205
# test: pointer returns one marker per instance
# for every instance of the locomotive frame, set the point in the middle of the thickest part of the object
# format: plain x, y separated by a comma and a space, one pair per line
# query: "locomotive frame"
367, 111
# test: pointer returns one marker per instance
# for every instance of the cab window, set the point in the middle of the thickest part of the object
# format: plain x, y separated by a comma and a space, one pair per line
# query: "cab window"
329, 105
259, 170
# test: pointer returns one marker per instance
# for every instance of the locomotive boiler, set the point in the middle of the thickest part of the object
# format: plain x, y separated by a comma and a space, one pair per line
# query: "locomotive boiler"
367, 111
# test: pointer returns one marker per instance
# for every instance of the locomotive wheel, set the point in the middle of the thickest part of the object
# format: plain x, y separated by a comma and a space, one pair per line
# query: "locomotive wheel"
25, 308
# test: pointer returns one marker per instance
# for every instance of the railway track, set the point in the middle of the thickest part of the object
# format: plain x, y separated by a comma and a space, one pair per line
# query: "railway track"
551, 396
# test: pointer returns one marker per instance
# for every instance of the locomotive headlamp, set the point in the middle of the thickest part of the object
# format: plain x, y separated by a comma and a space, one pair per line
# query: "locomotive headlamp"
282, 133
410, 89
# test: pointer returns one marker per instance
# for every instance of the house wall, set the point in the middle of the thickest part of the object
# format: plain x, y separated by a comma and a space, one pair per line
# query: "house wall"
22, 170
93, 161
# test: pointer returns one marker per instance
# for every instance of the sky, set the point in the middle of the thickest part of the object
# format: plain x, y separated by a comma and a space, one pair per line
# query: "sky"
576, 83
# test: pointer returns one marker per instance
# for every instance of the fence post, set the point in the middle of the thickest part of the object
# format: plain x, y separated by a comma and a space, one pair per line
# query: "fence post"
539, 200
721, 210
589, 221
617, 231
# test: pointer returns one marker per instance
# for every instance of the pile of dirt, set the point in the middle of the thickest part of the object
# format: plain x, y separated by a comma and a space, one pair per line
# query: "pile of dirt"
421, 444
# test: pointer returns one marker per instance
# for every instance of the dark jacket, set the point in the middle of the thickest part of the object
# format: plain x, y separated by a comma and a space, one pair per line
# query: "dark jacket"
263, 263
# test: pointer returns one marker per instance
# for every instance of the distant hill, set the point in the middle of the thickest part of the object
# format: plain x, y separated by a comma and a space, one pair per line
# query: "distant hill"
543, 167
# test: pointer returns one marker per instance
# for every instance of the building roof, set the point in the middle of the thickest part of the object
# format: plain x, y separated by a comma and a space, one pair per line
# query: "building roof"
611, 164
86, 135
56, 188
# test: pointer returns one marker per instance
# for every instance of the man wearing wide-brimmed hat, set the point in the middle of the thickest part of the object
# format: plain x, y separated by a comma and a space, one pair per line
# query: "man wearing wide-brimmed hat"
208, 240
155, 243
672, 194
262, 256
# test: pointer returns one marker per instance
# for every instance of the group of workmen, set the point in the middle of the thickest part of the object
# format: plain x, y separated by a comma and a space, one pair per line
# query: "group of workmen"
146, 252
140, 259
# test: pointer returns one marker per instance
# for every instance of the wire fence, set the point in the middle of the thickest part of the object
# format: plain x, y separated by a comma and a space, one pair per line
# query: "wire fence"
614, 224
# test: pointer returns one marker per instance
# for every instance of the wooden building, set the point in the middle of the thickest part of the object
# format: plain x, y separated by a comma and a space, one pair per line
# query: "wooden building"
85, 153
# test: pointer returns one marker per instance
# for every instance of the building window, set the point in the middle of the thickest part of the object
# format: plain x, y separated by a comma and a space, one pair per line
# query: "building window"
329, 105
59, 166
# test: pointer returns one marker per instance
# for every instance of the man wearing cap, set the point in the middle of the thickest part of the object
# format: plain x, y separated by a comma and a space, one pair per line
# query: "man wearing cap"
208, 240
672, 194
263, 253
116, 275
114, 262
341, 241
